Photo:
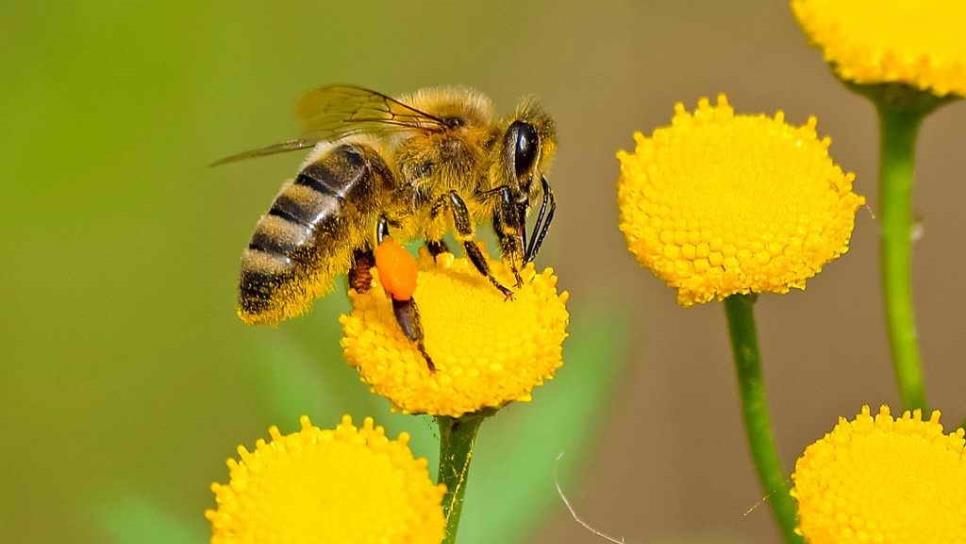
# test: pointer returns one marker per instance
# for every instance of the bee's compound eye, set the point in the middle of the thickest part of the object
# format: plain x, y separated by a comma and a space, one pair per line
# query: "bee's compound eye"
525, 148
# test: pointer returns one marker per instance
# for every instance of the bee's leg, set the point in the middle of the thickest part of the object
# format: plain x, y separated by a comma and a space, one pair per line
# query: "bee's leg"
464, 233
407, 316
382, 229
510, 227
476, 256
360, 273
437, 247
540, 228
405, 310
510, 248
522, 208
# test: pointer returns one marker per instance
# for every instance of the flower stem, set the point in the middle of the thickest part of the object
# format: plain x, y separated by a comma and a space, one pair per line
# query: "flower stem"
898, 128
456, 437
754, 407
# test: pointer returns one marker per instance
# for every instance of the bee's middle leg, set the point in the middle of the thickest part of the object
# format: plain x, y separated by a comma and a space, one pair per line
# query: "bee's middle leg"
464, 232
437, 247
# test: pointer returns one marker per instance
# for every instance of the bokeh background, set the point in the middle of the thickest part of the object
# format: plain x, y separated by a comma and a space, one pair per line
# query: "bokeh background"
127, 380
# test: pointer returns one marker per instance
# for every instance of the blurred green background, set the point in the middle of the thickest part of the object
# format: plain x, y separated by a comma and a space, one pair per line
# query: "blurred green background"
127, 380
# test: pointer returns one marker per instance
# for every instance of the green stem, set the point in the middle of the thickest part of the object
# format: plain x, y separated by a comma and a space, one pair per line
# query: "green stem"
456, 437
754, 407
898, 128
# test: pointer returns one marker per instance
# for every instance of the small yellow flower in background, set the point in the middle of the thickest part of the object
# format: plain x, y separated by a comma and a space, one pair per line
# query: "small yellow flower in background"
880, 479
718, 204
488, 351
320, 486
914, 42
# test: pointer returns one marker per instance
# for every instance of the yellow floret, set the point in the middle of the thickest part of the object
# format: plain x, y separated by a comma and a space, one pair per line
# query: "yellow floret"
914, 42
488, 351
718, 204
883, 480
321, 486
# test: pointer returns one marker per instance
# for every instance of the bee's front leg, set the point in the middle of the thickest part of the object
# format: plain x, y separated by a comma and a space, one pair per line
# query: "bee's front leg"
511, 246
510, 249
510, 226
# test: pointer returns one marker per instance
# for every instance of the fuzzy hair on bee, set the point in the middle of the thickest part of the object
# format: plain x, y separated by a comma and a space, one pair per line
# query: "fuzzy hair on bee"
432, 162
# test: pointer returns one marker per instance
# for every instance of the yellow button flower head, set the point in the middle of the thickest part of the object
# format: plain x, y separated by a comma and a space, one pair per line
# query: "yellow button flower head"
879, 479
488, 351
914, 42
717, 204
324, 486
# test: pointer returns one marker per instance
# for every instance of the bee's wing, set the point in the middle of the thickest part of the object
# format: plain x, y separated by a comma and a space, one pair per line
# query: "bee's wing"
335, 111
344, 109
281, 147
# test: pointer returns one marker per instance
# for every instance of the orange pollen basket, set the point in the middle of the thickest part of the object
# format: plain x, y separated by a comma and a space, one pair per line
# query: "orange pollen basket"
397, 269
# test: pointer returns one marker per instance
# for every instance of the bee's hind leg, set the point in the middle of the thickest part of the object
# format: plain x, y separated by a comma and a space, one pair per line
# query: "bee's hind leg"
407, 316
403, 305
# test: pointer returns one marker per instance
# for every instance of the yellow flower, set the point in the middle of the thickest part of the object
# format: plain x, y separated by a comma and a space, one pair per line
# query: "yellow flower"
914, 42
717, 204
324, 486
488, 351
899, 481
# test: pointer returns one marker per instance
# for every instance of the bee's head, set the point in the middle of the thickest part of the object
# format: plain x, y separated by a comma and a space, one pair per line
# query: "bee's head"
528, 147
529, 144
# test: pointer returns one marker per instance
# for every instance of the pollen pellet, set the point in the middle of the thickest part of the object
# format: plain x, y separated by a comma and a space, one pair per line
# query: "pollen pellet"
397, 269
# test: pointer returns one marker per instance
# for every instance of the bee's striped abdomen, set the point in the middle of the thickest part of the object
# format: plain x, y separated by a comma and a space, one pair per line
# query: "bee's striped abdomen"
302, 242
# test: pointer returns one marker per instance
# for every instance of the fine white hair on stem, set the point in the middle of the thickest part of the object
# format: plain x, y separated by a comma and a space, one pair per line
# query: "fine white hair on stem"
755, 506
573, 513
870, 210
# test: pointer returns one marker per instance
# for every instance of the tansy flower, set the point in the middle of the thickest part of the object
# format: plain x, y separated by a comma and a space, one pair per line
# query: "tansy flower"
717, 203
488, 351
879, 479
914, 42
323, 486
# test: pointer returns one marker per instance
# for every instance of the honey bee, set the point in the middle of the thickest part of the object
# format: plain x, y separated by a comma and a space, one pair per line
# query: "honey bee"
414, 167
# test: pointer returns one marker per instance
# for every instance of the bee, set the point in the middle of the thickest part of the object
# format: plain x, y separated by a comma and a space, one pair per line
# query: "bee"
383, 170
